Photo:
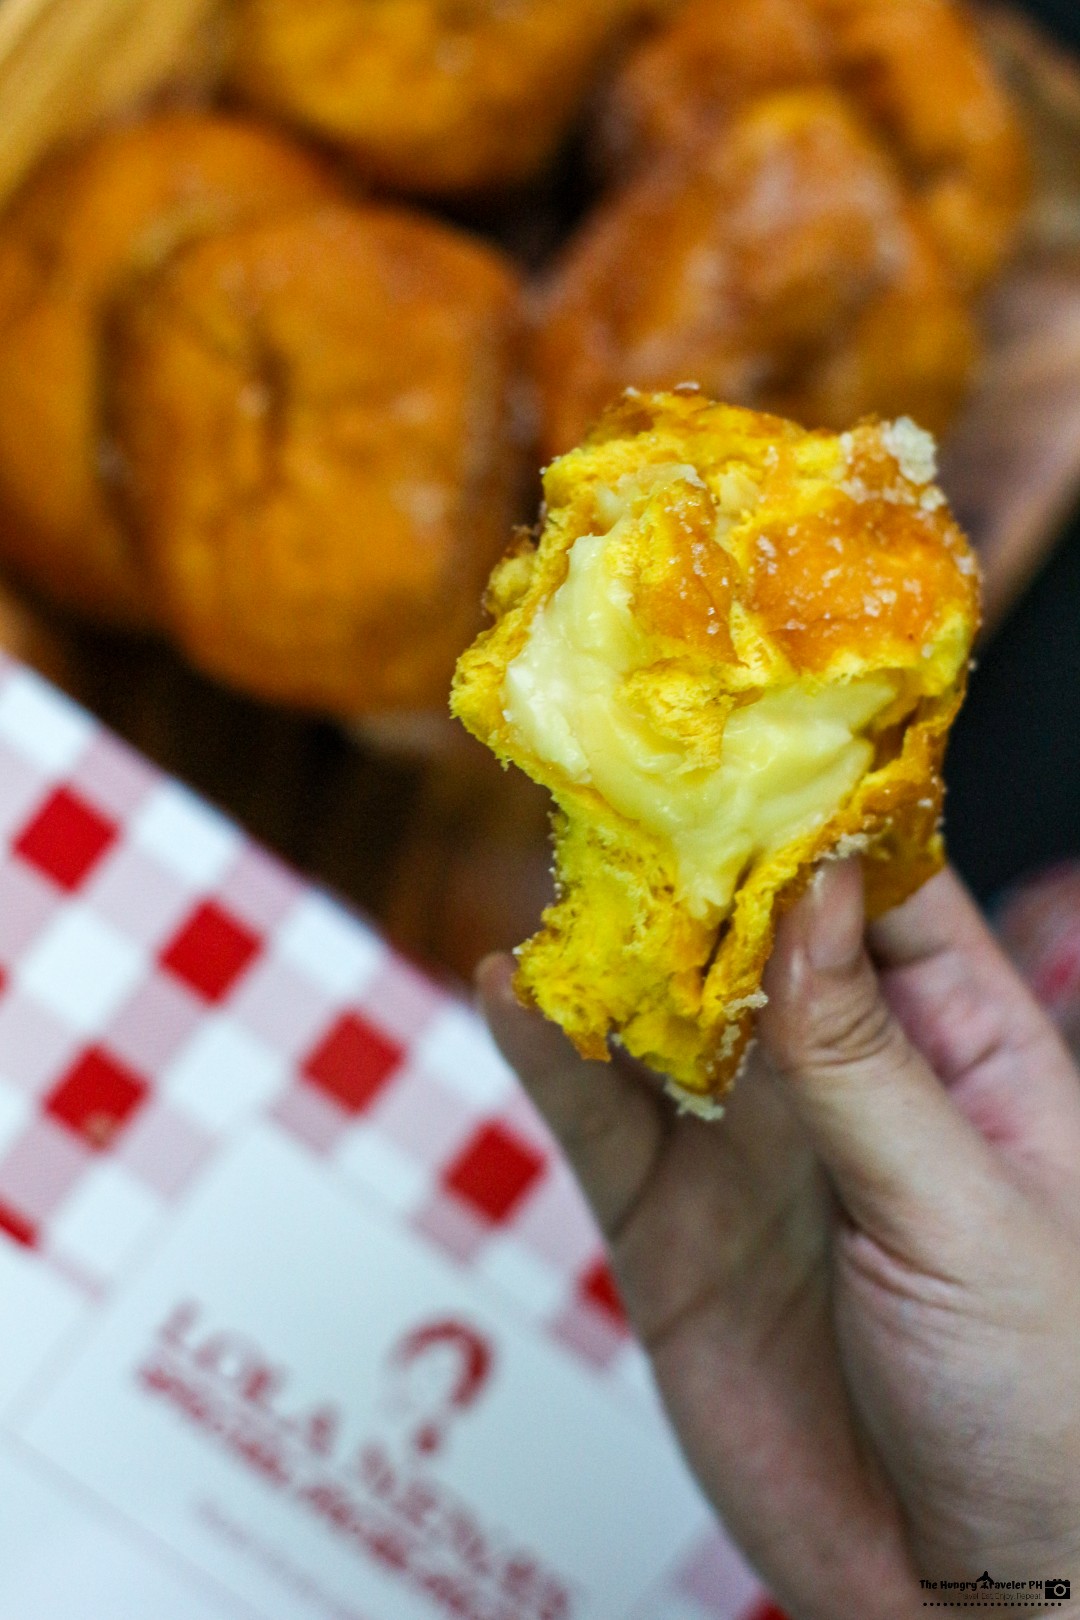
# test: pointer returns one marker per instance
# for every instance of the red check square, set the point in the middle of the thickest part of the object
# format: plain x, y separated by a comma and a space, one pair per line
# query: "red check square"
211, 951
17, 1226
598, 1287
66, 839
494, 1172
97, 1097
353, 1062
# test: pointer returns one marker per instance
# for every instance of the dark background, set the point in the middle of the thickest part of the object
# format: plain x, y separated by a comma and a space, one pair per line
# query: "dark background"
1063, 16
1014, 762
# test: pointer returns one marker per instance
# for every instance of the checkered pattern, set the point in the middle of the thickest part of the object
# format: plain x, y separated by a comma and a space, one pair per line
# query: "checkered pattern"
163, 982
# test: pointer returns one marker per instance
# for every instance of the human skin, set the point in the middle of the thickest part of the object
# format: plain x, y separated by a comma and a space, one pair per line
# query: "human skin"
860, 1291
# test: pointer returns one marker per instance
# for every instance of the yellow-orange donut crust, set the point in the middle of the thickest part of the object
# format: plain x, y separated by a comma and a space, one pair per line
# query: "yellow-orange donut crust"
619, 954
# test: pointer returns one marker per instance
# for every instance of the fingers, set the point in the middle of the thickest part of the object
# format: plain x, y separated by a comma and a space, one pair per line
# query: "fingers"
692, 1210
979, 1027
906, 1165
610, 1124
958, 995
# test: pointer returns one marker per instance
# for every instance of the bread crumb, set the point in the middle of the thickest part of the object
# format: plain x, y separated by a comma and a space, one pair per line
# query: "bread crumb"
913, 449
691, 1102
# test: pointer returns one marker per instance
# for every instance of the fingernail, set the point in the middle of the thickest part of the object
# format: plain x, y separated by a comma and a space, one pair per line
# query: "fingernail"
834, 918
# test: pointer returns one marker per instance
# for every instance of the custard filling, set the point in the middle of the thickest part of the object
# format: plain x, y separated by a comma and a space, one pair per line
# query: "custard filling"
787, 761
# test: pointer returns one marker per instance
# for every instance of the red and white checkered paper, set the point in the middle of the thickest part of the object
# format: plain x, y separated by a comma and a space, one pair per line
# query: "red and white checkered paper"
148, 950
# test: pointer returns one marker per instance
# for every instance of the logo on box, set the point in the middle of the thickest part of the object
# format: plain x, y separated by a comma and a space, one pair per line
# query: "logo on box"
377, 1491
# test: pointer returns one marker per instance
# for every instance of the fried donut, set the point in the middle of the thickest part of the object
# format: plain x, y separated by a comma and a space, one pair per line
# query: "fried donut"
951, 129
429, 96
734, 651
687, 79
783, 268
317, 419
920, 72
87, 224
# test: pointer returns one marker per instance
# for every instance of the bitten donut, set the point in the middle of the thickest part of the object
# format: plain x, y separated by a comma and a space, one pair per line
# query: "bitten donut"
734, 650
317, 416
429, 96
86, 225
785, 267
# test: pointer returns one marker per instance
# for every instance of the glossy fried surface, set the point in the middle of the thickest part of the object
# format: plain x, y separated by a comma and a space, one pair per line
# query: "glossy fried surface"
784, 267
428, 95
86, 226
769, 602
317, 419
914, 71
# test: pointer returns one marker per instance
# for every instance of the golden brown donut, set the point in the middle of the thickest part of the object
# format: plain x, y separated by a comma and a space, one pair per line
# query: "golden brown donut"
920, 72
85, 225
687, 79
734, 650
784, 267
914, 69
318, 420
429, 96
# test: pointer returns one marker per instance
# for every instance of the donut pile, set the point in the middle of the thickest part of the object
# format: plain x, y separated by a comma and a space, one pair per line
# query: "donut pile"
262, 394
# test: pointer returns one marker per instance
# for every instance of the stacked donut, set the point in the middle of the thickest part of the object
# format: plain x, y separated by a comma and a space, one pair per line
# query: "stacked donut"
238, 407
809, 195
249, 403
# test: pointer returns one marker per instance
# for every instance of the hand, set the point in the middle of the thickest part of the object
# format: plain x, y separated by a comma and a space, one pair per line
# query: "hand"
860, 1291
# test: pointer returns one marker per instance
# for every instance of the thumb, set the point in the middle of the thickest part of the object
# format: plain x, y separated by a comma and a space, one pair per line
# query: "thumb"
908, 1169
